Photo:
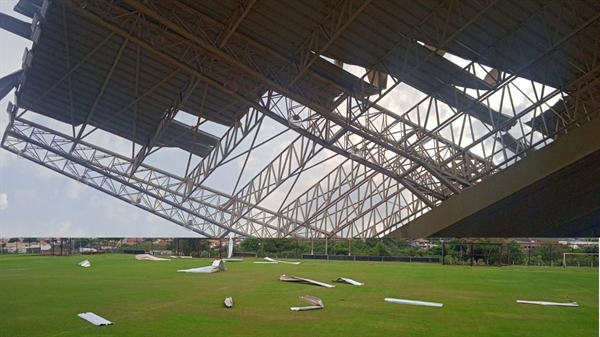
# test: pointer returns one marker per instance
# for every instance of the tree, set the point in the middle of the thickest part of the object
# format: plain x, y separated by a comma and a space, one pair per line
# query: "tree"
250, 245
380, 250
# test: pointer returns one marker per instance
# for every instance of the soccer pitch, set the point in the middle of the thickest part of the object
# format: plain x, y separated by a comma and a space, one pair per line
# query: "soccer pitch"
41, 296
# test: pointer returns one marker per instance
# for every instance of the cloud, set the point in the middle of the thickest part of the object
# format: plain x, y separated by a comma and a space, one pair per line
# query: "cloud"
3, 200
66, 229
75, 189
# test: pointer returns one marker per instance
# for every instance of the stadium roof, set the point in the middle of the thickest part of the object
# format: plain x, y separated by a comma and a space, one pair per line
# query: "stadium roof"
130, 67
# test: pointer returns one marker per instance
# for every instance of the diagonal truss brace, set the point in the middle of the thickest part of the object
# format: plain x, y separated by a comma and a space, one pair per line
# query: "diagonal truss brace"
224, 147
166, 119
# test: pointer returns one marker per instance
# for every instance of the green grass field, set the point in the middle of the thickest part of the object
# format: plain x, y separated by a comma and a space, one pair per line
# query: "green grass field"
41, 296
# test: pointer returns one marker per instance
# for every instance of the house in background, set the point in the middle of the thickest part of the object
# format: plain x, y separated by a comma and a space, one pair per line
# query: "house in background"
422, 243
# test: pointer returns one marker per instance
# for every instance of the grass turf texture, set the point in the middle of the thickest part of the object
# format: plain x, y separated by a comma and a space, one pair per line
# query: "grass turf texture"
41, 296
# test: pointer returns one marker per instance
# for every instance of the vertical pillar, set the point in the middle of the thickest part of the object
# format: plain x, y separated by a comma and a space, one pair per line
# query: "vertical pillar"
326, 250
349, 247
443, 251
472, 253
500, 255
312, 246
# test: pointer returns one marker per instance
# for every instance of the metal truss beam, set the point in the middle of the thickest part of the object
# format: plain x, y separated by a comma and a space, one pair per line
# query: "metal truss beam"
224, 147
235, 21
290, 162
246, 60
337, 185
150, 189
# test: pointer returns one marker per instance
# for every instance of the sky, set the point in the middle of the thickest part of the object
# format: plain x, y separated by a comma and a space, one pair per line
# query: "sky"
36, 202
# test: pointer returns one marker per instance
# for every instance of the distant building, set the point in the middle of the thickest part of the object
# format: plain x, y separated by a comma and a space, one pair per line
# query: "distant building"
529, 243
577, 243
26, 247
422, 243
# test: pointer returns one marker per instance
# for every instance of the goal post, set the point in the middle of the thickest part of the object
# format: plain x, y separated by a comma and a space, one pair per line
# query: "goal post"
581, 258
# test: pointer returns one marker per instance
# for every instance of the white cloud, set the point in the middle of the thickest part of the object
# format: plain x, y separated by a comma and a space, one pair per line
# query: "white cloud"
3, 200
66, 229
75, 189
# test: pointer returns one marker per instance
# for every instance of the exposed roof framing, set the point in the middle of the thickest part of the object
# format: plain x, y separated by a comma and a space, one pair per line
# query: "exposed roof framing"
129, 67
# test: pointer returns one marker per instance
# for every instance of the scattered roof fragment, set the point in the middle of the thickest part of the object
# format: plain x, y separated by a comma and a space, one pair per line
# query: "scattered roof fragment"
94, 319
411, 302
567, 304
347, 280
215, 267
148, 257
229, 302
279, 261
287, 278
316, 303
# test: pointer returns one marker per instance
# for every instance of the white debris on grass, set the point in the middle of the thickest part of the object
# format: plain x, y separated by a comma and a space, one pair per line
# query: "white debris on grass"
200, 270
286, 278
279, 261
230, 248
148, 257
347, 280
559, 304
229, 302
411, 302
85, 263
94, 319
215, 267
316, 303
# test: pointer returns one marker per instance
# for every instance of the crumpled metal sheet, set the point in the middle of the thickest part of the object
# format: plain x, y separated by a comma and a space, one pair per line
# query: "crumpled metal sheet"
148, 257
347, 280
287, 278
316, 303
215, 267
